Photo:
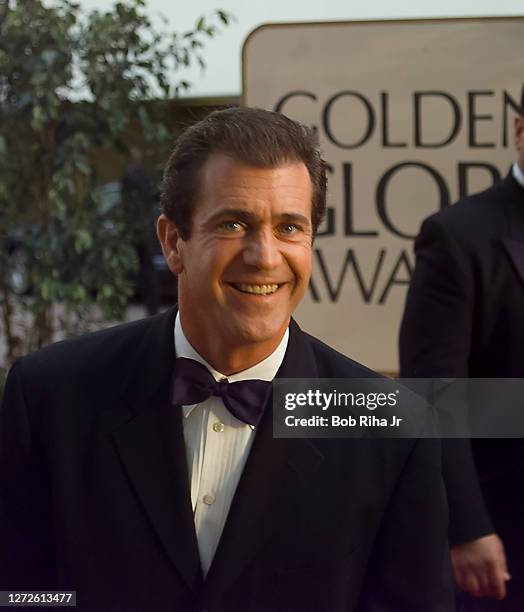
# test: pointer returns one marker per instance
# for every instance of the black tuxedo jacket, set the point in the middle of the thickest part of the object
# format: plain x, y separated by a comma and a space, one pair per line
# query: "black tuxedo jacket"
464, 317
95, 496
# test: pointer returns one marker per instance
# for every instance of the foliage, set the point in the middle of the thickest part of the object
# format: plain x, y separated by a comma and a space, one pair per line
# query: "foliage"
73, 83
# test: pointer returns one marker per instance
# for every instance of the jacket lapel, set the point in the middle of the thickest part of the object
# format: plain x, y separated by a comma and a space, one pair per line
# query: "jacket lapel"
152, 450
151, 446
262, 487
514, 211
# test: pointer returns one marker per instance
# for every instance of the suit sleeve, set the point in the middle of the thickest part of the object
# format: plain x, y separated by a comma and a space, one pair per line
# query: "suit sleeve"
409, 568
27, 558
435, 341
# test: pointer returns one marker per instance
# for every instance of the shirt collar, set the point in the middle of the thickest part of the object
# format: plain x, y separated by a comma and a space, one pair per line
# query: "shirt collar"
265, 370
518, 175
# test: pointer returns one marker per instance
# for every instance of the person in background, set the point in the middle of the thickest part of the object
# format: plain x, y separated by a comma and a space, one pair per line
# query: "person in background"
137, 200
464, 318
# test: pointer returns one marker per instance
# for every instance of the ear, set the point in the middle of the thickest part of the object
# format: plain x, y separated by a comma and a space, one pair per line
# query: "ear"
171, 242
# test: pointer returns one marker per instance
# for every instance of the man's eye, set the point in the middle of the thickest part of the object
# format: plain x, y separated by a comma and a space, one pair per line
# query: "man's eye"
231, 226
288, 228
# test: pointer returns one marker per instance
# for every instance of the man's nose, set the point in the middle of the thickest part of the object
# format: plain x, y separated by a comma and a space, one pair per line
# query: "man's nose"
262, 250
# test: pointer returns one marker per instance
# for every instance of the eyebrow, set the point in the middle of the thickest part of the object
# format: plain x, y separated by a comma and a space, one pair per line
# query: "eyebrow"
246, 216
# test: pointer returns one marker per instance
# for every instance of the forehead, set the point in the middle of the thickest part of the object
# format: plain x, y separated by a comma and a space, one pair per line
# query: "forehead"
229, 182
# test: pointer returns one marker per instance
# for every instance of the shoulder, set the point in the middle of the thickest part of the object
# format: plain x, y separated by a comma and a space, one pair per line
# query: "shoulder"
333, 364
483, 209
87, 357
417, 417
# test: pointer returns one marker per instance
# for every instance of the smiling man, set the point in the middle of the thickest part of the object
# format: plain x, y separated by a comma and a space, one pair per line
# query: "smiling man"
138, 465
246, 264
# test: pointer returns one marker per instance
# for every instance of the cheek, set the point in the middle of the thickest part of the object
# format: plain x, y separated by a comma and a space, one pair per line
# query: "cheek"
223, 255
302, 264
210, 263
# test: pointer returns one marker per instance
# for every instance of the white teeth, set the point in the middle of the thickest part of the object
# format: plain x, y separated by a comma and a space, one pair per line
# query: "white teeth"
258, 289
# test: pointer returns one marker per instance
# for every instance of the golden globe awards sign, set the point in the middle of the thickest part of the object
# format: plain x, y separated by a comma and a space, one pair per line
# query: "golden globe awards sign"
411, 116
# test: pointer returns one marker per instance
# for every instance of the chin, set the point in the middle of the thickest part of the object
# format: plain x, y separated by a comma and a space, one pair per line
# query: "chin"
259, 332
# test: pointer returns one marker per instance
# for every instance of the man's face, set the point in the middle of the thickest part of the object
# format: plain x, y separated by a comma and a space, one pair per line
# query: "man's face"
247, 263
519, 140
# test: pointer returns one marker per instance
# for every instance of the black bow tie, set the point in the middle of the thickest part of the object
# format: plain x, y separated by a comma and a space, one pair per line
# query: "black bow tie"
193, 384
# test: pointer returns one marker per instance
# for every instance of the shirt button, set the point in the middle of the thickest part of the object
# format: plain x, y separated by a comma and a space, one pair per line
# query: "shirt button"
208, 499
218, 427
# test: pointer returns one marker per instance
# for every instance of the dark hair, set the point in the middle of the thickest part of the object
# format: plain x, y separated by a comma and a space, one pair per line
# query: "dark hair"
252, 136
522, 101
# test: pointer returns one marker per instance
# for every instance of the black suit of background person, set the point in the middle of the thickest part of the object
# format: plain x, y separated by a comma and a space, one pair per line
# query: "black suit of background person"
95, 490
464, 317
137, 200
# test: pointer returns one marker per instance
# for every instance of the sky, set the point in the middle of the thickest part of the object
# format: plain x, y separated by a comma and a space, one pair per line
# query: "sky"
222, 54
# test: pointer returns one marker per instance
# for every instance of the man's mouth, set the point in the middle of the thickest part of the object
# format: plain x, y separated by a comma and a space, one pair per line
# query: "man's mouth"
256, 289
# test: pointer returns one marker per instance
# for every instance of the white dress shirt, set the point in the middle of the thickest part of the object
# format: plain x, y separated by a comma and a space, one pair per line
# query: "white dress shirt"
518, 175
217, 447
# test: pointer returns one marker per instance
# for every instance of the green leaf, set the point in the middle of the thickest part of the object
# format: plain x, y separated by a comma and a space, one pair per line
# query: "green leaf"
83, 240
49, 56
83, 166
79, 293
45, 290
224, 17
38, 118
107, 291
